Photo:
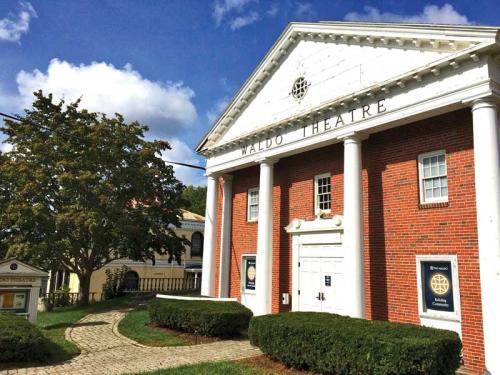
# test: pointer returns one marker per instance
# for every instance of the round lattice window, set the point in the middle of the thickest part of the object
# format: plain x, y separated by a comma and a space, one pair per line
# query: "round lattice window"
440, 284
299, 88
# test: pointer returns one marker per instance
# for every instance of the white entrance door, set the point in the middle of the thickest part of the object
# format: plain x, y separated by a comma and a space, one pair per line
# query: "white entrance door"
309, 284
321, 284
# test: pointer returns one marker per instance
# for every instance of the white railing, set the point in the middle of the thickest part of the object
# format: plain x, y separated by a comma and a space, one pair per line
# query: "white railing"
166, 296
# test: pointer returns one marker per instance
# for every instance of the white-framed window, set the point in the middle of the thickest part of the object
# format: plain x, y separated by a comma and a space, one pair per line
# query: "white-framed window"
253, 204
249, 267
433, 177
438, 288
322, 193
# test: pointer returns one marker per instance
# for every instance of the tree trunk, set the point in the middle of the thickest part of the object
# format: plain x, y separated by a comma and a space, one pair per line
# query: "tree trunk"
83, 297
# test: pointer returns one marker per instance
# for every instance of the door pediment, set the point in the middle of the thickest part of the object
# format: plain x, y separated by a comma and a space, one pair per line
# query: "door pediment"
334, 224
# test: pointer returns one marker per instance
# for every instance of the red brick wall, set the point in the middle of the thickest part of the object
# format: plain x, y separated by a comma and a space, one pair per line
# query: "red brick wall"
244, 233
396, 227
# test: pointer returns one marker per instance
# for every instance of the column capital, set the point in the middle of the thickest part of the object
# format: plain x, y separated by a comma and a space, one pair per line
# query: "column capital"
267, 160
486, 102
226, 177
353, 137
211, 175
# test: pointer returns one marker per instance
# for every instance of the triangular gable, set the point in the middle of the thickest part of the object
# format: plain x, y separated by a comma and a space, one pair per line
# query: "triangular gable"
13, 266
330, 70
336, 60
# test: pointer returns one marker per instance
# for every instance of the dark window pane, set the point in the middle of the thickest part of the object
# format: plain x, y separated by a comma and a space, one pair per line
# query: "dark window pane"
197, 244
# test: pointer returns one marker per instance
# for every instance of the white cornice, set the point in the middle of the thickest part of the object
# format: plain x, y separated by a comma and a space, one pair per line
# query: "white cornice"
419, 109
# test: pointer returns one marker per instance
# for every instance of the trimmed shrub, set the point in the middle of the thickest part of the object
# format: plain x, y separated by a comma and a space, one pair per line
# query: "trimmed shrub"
334, 344
20, 340
206, 318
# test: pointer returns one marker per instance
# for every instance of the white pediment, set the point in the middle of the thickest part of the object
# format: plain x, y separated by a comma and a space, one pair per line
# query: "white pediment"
333, 70
338, 61
14, 267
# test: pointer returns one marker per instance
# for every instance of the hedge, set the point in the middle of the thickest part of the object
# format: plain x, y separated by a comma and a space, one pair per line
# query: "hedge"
20, 340
334, 344
206, 318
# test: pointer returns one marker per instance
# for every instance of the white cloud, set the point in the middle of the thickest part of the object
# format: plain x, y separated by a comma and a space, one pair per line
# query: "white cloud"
217, 109
165, 107
273, 10
235, 13
304, 11
181, 152
222, 8
430, 14
244, 20
13, 27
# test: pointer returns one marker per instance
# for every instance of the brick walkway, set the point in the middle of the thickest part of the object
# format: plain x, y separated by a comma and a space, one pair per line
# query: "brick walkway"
105, 351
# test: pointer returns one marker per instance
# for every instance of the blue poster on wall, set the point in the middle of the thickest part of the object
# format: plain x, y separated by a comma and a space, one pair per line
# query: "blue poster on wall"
437, 283
250, 272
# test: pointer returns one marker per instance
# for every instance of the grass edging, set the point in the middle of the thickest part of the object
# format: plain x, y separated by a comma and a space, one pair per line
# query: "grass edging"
209, 368
135, 326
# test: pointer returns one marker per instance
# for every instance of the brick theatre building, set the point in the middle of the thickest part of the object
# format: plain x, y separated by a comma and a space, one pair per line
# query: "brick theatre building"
356, 172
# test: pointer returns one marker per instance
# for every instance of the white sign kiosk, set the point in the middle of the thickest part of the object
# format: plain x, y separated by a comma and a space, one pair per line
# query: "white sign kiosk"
20, 287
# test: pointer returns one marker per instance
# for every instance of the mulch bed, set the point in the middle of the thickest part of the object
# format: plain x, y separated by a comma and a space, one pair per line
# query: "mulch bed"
188, 338
266, 363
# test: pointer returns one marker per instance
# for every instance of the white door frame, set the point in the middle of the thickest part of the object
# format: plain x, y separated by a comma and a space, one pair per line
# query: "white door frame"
315, 232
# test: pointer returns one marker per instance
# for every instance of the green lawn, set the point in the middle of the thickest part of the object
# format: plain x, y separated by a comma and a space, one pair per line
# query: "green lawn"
53, 324
135, 326
211, 368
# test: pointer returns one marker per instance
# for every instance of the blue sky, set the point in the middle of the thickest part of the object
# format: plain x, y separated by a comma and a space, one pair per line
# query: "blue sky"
170, 64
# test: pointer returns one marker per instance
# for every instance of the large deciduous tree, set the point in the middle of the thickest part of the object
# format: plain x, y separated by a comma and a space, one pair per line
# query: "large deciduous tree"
80, 189
196, 197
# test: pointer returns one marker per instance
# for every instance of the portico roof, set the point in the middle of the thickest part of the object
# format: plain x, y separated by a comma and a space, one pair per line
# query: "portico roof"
430, 50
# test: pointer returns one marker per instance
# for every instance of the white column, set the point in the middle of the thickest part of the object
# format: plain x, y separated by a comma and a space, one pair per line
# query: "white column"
263, 277
353, 227
487, 175
225, 240
208, 269
47, 289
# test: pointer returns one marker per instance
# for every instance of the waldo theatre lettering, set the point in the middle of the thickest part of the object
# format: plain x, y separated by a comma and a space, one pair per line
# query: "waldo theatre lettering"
320, 126
438, 286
